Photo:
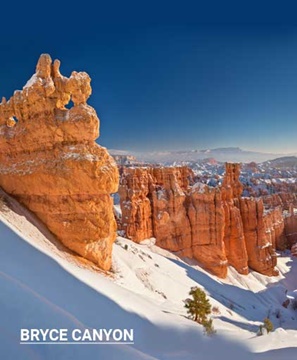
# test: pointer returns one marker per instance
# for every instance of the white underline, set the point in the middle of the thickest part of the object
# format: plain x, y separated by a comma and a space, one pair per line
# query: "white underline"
76, 343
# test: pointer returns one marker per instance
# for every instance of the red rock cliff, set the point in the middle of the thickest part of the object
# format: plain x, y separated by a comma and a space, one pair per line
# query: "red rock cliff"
135, 204
291, 226
213, 225
171, 225
51, 163
285, 203
234, 233
260, 249
282, 199
207, 219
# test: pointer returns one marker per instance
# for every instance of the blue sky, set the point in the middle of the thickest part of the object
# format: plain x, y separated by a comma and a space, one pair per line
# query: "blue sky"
168, 75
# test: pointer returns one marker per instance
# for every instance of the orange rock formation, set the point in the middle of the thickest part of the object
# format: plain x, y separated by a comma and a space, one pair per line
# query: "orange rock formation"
135, 205
285, 202
234, 238
260, 249
213, 225
51, 163
170, 222
207, 218
282, 199
290, 227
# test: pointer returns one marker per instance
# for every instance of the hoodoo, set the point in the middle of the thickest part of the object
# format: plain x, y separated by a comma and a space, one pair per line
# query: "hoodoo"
50, 162
216, 226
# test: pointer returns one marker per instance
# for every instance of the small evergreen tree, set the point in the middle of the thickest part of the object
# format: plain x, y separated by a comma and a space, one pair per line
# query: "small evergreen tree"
268, 325
260, 331
208, 327
199, 306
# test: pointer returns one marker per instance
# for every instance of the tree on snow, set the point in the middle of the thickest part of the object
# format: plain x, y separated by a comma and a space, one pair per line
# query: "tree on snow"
199, 306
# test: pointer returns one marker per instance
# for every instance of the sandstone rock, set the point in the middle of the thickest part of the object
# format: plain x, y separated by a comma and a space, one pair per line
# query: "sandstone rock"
233, 231
213, 225
282, 199
152, 202
288, 199
231, 186
285, 203
50, 162
272, 201
168, 196
135, 205
183, 219
207, 219
290, 227
275, 226
260, 250
234, 239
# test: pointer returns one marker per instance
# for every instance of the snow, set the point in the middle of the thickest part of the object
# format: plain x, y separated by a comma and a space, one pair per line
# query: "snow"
118, 211
45, 286
149, 242
292, 295
81, 157
161, 194
34, 78
199, 187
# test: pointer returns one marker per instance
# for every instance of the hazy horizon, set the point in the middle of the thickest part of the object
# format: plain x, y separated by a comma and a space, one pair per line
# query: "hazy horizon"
126, 151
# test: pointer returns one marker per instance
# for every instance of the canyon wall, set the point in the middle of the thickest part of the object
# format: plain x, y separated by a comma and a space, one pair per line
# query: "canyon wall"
50, 162
152, 202
234, 237
260, 245
291, 227
287, 202
283, 199
207, 219
171, 226
135, 204
216, 226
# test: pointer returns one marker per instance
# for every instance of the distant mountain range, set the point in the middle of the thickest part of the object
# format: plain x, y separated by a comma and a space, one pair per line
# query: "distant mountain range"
230, 154
283, 162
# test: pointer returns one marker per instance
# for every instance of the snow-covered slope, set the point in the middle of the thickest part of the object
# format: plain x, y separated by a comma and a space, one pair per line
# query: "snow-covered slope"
45, 286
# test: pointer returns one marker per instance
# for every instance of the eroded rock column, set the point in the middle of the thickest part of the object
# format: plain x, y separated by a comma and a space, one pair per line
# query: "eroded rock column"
50, 162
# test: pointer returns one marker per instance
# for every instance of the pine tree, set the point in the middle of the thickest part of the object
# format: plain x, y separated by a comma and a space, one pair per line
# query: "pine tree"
198, 307
208, 327
268, 325
260, 331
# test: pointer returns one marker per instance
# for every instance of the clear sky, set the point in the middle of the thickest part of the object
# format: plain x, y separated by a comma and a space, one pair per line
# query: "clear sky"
168, 75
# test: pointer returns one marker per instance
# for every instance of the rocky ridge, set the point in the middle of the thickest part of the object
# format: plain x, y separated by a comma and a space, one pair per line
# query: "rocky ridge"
49, 160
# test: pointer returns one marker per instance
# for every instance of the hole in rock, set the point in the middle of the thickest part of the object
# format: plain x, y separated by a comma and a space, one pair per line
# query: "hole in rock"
69, 105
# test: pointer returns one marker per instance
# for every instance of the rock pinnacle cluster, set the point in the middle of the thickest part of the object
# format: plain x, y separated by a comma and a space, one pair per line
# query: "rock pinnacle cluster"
214, 225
